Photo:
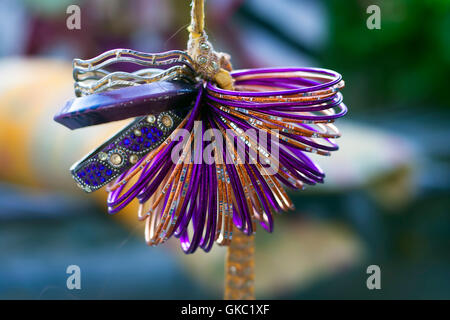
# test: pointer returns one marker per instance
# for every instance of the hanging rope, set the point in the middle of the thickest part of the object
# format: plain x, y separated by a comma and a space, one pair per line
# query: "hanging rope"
197, 25
211, 65
240, 267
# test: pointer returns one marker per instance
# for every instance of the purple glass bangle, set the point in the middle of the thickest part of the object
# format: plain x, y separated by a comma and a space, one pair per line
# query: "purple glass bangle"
212, 209
302, 171
336, 79
198, 214
315, 105
299, 138
262, 200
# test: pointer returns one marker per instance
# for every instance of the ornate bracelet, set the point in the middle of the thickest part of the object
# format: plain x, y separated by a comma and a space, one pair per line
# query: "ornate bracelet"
124, 149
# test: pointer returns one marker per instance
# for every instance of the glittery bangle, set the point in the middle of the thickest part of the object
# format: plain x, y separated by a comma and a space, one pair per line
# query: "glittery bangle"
335, 78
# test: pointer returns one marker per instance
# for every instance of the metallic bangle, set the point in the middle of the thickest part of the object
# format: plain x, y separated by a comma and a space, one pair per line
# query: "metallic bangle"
100, 73
125, 149
91, 77
107, 58
119, 79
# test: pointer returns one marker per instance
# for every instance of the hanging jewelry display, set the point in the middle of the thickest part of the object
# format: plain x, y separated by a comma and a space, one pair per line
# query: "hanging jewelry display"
210, 149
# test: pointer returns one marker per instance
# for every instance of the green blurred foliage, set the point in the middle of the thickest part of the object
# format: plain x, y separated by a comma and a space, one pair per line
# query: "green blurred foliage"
50, 7
405, 63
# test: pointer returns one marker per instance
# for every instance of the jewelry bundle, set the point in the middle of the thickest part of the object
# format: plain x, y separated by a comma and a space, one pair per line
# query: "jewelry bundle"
210, 149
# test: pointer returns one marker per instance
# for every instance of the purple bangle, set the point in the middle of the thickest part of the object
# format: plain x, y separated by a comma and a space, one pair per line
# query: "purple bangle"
263, 202
125, 103
308, 176
140, 188
336, 79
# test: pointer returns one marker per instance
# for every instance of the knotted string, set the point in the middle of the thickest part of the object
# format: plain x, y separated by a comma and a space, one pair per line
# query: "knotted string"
215, 64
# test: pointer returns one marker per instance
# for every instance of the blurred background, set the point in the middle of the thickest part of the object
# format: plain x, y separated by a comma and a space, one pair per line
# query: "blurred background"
386, 196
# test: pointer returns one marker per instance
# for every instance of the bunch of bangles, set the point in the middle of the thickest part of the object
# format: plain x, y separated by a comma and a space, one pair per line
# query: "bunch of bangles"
198, 158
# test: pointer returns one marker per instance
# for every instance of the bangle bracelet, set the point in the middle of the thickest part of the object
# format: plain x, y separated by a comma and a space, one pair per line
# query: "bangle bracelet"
124, 149
200, 203
110, 57
305, 91
125, 103
116, 80
92, 77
